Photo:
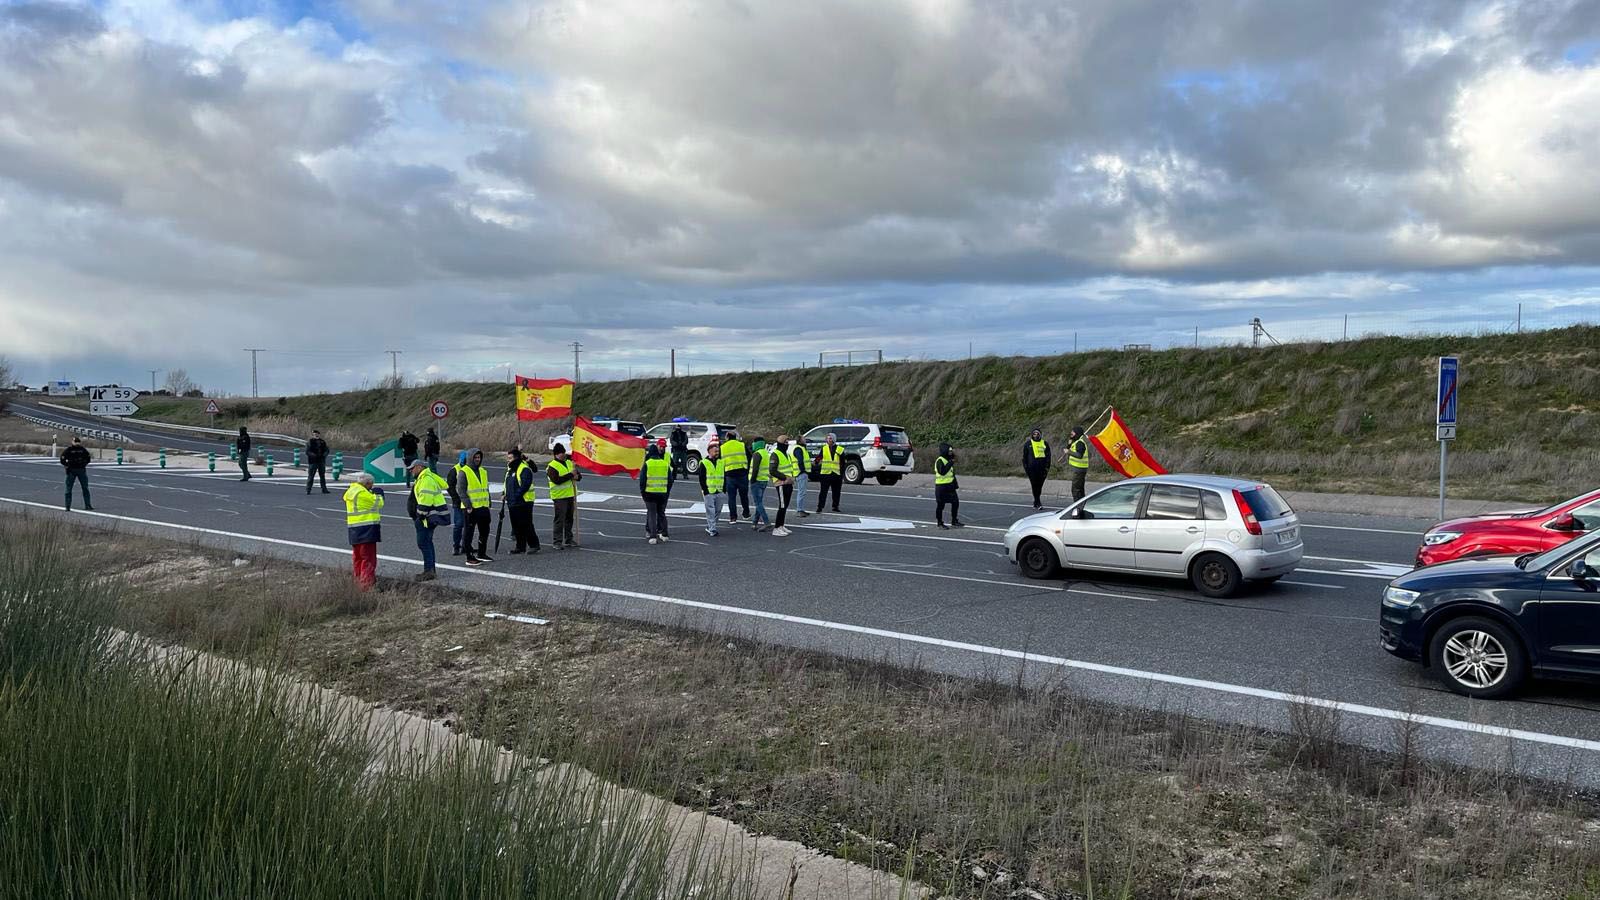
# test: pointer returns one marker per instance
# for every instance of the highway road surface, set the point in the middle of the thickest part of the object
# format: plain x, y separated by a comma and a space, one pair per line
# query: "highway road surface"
879, 582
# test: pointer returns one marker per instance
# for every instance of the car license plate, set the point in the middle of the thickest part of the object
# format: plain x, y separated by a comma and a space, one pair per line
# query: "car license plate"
897, 457
1288, 537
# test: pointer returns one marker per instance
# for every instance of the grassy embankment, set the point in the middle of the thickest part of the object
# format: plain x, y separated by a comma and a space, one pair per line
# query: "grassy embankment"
1352, 416
992, 791
125, 775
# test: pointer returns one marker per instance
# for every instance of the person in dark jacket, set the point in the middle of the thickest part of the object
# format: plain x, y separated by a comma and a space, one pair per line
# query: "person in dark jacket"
408, 451
945, 488
563, 478
317, 461
655, 487
458, 512
430, 449
242, 446
519, 498
1036, 463
680, 450
1078, 461
75, 459
782, 470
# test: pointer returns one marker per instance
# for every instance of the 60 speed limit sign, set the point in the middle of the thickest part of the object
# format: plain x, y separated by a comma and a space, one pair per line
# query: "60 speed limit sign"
440, 409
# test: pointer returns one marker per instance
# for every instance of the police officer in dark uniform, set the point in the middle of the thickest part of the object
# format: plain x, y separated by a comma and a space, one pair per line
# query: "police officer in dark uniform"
75, 459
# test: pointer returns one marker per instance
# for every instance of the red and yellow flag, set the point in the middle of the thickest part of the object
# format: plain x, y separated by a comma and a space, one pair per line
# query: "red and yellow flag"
543, 398
605, 452
1122, 451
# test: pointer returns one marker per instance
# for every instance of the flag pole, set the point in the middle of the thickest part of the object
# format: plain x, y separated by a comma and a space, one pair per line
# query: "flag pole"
576, 491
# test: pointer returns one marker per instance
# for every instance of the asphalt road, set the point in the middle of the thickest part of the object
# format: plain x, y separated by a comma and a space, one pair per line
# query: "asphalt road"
879, 582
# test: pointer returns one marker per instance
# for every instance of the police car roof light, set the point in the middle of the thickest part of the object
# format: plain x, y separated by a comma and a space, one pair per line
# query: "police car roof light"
681, 419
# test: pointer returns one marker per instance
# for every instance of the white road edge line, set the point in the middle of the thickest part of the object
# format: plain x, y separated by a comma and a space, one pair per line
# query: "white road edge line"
1377, 712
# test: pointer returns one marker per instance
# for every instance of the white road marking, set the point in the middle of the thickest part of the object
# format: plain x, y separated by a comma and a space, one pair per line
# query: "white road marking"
1316, 584
1344, 573
867, 523
1370, 530
898, 571
1535, 737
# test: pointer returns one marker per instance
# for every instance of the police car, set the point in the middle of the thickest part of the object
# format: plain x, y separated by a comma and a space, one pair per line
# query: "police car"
634, 428
701, 436
880, 451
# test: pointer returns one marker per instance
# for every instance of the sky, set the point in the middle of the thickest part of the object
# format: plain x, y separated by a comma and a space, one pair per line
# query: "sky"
480, 184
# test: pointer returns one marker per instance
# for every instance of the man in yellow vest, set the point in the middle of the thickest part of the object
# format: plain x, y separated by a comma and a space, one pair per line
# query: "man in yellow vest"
519, 497
429, 507
1036, 463
783, 470
735, 475
363, 518
760, 480
828, 473
711, 487
473, 486
802, 459
563, 477
655, 487
945, 488
1078, 461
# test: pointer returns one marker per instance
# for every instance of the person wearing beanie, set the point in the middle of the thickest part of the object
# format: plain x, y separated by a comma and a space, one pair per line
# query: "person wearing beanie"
1036, 463
1078, 461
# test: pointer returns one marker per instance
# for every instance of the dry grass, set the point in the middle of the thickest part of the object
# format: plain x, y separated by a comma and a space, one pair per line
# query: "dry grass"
991, 790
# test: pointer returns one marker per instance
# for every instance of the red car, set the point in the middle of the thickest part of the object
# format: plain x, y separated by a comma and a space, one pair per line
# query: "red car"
1511, 533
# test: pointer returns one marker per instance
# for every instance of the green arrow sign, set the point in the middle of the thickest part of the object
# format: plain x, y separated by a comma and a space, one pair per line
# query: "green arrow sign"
385, 464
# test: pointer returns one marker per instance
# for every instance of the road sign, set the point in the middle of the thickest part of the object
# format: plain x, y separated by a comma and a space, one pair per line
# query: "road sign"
107, 408
212, 408
385, 464
112, 393
440, 409
1449, 380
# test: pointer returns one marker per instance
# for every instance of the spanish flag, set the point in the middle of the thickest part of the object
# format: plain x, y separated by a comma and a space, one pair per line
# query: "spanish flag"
543, 398
1123, 452
606, 452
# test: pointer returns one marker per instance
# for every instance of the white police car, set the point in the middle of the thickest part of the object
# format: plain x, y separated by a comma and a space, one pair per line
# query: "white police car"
880, 451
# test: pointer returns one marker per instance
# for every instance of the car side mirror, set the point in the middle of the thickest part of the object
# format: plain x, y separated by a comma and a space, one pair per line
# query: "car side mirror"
1580, 570
1565, 522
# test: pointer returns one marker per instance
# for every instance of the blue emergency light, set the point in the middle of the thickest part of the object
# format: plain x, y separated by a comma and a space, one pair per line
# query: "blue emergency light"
681, 419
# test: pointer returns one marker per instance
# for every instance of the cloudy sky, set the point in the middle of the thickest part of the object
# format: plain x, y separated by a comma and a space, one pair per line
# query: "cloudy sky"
754, 181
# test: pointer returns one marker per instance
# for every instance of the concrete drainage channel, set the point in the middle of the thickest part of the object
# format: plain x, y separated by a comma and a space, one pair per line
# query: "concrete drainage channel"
700, 843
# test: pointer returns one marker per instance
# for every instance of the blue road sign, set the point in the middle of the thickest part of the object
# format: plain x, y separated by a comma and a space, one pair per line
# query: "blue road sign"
1449, 378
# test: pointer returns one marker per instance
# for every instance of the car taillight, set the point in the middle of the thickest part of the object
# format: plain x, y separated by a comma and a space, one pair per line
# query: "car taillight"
877, 441
1248, 514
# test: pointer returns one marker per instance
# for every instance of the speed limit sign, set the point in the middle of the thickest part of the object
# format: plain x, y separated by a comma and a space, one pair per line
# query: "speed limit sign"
440, 409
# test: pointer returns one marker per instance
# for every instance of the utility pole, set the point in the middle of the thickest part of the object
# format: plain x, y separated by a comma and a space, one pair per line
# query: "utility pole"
153, 380
672, 372
255, 385
394, 365
576, 372
1519, 318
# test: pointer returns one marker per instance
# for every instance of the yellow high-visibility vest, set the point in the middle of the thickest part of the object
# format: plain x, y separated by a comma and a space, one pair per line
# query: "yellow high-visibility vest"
656, 472
1040, 451
949, 475
477, 487
565, 489
787, 467
763, 469
1078, 454
713, 469
515, 478
430, 491
830, 459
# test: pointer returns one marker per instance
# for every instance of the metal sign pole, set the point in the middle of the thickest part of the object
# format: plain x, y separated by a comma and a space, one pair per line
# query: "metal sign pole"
1444, 459
1445, 419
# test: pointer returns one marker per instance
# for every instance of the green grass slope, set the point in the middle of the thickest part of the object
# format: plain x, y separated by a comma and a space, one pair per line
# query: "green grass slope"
1353, 416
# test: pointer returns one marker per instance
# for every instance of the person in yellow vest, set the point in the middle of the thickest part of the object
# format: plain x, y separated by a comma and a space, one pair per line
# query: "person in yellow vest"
655, 486
945, 488
1078, 461
784, 470
363, 517
735, 475
1036, 463
802, 458
711, 487
563, 477
473, 487
520, 495
828, 473
760, 480
429, 507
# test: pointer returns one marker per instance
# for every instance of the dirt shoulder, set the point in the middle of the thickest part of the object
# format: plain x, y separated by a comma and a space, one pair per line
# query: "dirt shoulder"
978, 790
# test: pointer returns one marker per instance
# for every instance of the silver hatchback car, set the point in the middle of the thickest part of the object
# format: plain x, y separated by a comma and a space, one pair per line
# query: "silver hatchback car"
1219, 533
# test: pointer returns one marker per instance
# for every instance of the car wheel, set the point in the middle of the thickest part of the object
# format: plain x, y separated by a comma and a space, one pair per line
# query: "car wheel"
692, 464
1037, 559
888, 480
1215, 575
853, 473
1478, 657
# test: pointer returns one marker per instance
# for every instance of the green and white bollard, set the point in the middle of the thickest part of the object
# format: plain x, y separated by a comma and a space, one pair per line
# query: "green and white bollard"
163, 457
233, 454
269, 465
211, 461
119, 456
297, 457
338, 464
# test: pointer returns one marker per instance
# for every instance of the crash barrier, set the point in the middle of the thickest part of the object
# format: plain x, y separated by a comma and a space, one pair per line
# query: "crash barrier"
74, 429
151, 423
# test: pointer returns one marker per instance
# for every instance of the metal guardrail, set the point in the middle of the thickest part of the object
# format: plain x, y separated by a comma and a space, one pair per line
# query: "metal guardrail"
199, 429
75, 429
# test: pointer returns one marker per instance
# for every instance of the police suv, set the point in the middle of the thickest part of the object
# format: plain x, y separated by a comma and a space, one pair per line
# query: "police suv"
701, 436
881, 451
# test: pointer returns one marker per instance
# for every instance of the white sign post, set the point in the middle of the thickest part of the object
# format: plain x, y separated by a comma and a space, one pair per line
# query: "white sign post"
211, 410
112, 400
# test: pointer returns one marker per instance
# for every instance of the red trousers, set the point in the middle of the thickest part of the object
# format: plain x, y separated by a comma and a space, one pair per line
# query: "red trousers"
364, 560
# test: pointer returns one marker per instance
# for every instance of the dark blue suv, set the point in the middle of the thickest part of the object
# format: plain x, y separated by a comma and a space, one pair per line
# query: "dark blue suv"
1484, 625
